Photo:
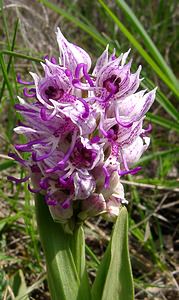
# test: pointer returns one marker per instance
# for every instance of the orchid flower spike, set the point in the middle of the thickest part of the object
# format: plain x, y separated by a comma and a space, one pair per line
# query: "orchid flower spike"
82, 131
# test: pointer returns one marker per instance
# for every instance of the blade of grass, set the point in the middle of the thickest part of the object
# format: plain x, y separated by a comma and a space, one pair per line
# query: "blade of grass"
162, 100
150, 46
29, 221
4, 70
163, 122
7, 164
92, 255
10, 59
19, 286
11, 219
23, 56
5, 26
140, 49
158, 154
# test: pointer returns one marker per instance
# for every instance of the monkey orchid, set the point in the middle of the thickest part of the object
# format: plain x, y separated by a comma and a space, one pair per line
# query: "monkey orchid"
83, 132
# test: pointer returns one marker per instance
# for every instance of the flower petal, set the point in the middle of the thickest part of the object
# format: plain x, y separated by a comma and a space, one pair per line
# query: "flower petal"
133, 152
101, 62
84, 185
71, 55
134, 107
92, 206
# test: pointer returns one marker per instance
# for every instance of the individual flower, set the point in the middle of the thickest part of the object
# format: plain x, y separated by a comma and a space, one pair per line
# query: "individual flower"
83, 132
114, 79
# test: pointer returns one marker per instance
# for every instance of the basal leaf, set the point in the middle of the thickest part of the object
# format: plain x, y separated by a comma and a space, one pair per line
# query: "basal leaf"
62, 274
78, 252
114, 278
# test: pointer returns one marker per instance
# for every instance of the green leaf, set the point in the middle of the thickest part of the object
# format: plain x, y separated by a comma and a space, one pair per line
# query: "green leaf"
78, 252
2, 224
19, 286
98, 285
5, 25
10, 59
162, 100
20, 55
6, 79
59, 247
92, 255
5, 257
114, 277
7, 164
163, 122
154, 155
62, 275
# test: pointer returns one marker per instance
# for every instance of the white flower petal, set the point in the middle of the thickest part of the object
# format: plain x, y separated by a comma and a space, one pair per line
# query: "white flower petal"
71, 55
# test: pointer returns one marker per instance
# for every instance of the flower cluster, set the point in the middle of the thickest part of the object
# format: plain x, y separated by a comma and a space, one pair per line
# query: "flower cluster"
83, 131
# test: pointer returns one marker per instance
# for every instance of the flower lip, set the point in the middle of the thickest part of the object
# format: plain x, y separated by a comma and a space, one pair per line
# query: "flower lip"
50, 201
44, 183
113, 132
112, 84
82, 157
53, 92
65, 204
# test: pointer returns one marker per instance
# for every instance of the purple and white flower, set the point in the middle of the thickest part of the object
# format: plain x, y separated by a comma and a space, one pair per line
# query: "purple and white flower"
83, 131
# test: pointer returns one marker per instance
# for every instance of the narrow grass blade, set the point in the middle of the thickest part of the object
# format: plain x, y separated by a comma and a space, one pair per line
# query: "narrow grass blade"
36, 285
61, 271
150, 46
23, 56
114, 277
140, 49
10, 219
10, 59
159, 154
11, 115
92, 255
162, 100
168, 106
163, 122
5, 26
19, 286
4, 70
7, 164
